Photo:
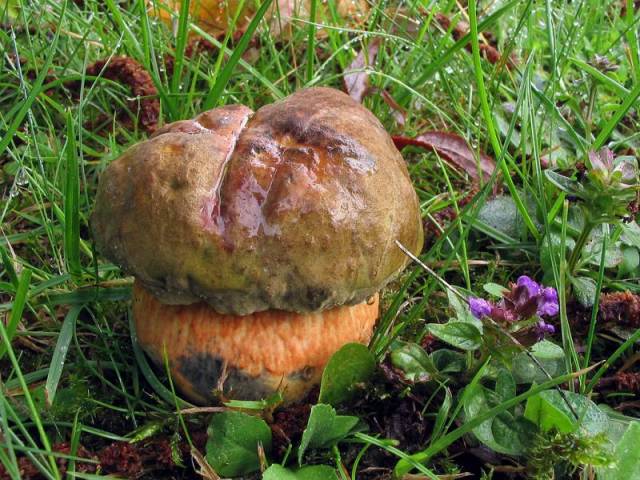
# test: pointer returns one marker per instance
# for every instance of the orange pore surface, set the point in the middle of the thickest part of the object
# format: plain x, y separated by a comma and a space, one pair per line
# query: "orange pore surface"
273, 341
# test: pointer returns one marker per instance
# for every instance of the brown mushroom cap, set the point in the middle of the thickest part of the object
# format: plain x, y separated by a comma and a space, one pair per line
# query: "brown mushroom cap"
294, 207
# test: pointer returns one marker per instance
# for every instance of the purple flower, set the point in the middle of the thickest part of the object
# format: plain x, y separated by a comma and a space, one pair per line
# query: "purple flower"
532, 288
479, 307
543, 328
548, 302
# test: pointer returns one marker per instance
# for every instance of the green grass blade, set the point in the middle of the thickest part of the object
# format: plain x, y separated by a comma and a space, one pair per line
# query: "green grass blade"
605, 80
442, 60
19, 303
403, 467
311, 47
36, 88
71, 203
8, 267
612, 359
624, 107
213, 97
181, 43
33, 411
60, 353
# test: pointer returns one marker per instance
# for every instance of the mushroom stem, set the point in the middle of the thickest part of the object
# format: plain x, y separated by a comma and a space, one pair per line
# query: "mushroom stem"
247, 357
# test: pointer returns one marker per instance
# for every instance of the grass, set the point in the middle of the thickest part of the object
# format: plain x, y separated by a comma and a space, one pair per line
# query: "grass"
69, 371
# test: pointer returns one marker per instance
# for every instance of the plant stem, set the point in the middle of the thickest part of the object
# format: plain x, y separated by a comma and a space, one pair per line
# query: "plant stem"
577, 250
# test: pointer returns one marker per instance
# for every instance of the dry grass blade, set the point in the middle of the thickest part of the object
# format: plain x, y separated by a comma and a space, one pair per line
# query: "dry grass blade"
454, 149
205, 469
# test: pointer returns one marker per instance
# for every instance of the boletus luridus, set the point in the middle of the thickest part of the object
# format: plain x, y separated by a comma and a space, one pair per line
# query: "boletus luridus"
258, 240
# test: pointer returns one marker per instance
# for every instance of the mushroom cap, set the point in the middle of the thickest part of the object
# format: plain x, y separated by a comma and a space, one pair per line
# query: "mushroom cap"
294, 207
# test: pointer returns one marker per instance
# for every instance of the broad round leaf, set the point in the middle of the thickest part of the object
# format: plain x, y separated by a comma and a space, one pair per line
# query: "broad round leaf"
347, 371
234, 437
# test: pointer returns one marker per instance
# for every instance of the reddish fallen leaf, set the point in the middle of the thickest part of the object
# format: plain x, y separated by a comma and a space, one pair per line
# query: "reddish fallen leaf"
129, 72
356, 79
454, 149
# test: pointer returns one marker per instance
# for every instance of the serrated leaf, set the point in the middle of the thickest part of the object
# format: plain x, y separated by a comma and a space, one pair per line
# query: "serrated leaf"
346, 372
234, 437
325, 428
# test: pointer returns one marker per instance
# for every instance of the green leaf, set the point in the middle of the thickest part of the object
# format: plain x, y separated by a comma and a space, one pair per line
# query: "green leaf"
550, 356
505, 385
585, 290
234, 437
325, 428
504, 433
593, 252
630, 260
495, 289
566, 184
346, 372
549, 410
414, 362
406, 464
546, 416
313, 472
627, 455
463, 314
630, 234
448, 361
502, 214
463, 335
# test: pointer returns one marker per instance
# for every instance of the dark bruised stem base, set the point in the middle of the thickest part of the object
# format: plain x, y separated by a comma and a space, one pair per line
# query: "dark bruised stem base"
246, 357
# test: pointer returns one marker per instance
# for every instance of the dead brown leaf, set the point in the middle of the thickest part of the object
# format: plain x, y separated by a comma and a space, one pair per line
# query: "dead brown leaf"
453, 149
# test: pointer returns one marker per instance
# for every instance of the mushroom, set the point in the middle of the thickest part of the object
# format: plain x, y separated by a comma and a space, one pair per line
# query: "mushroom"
258, 241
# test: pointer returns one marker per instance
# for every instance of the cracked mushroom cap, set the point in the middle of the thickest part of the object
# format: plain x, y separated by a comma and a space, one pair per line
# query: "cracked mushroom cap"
294, 207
